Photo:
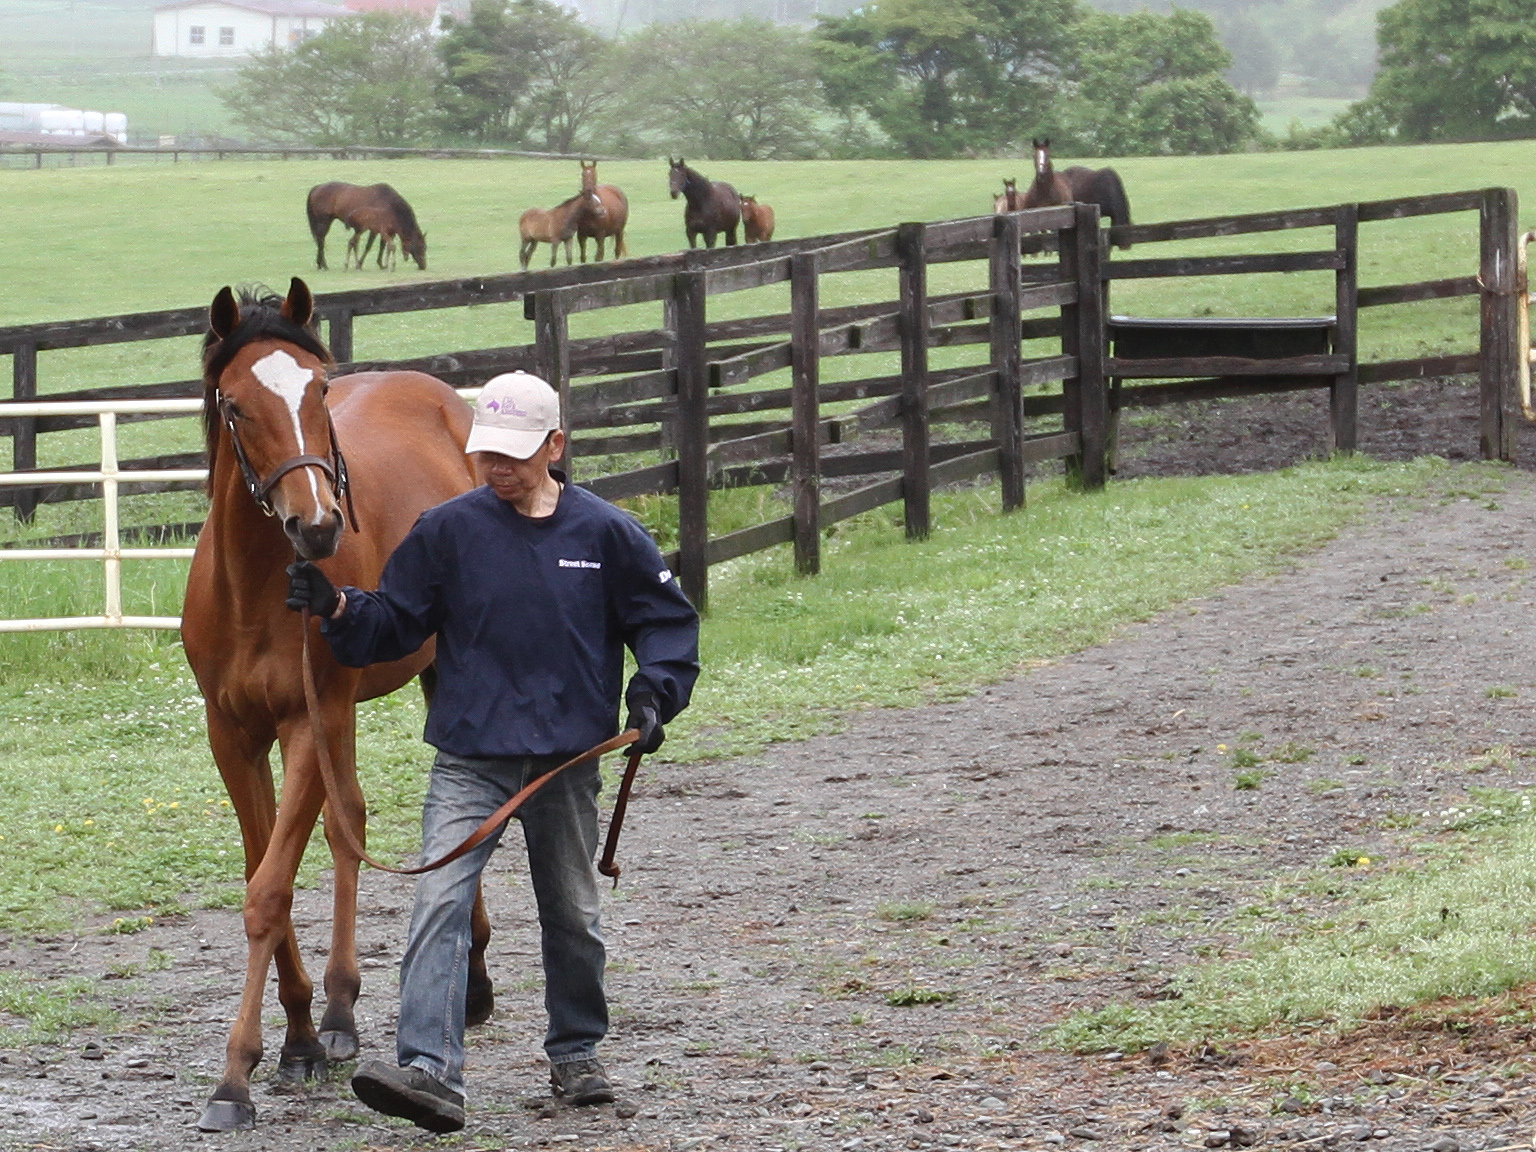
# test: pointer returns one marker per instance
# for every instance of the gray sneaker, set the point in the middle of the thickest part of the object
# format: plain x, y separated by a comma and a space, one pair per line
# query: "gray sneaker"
410, 1093
581, 1082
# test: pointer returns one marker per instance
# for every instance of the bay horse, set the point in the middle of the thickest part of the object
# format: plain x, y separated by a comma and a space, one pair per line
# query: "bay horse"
553, 226
1099, 186
605, 214
1009, 200
1049, 187
713, 206
756, 220
278, 485
374, 208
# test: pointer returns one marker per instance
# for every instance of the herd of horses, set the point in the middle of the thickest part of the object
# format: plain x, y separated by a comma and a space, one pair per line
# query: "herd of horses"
278, 485
600, 212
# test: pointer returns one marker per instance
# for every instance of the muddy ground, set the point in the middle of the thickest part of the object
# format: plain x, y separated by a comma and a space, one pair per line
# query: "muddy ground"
1066, 837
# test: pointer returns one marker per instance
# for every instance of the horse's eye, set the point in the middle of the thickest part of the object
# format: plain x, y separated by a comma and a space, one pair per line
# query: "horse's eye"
232, 410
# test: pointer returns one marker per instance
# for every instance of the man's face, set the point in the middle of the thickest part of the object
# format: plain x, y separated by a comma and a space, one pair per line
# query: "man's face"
516, 480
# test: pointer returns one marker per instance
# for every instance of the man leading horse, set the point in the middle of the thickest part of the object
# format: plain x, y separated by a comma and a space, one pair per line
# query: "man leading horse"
533, 588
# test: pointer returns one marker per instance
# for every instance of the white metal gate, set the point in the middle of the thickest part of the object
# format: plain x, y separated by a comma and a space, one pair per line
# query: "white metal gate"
111, 554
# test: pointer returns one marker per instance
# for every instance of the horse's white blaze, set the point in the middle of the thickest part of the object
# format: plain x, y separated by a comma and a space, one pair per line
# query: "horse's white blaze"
287, 379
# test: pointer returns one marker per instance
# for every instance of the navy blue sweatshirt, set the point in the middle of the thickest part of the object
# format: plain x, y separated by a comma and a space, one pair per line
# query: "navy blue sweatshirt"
531, 618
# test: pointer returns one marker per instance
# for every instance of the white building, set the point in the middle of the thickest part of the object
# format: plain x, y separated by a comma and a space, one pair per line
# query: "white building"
238, 27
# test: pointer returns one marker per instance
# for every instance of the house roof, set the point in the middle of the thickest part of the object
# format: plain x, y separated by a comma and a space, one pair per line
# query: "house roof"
419, 7
267, 7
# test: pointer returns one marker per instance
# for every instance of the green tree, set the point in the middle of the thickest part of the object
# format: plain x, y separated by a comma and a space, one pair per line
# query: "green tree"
366, 79
524, 72
1450, 69
947, 77
729, 90
1147, 84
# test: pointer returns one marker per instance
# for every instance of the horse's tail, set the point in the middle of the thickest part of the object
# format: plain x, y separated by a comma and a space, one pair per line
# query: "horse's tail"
1113, 201
319, 222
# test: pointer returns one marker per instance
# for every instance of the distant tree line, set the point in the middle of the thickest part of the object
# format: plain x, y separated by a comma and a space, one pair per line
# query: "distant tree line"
920, 78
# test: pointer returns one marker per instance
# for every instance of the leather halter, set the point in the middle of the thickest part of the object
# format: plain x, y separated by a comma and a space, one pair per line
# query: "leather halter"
335, 469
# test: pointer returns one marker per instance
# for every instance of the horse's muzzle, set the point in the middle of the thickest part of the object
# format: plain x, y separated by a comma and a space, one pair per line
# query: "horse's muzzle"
315, 541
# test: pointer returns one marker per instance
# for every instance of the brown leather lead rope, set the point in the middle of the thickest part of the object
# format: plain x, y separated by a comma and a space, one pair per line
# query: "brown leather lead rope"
608, 866
492, 822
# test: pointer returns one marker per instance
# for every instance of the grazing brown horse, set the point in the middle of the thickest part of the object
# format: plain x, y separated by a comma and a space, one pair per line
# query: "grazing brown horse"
375, 208
713, 206
756, 220
277, 486
1049, 187
553, 226
605, 214
1009, 200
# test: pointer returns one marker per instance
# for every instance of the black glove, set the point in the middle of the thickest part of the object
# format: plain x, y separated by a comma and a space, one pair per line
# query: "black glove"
644, 715
308, 587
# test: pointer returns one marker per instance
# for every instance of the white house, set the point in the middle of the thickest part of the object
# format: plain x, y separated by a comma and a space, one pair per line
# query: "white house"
238, 27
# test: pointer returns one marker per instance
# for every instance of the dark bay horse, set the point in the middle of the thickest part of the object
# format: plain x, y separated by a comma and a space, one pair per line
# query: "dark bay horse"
277, 486
553, 226
375, 208
605, 214
713, 206
1099, 186
756, 220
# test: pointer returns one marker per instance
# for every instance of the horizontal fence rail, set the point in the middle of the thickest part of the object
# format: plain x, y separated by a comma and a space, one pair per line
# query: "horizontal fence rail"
740, 401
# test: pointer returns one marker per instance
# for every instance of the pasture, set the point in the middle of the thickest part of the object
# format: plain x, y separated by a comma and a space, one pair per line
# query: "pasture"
118, 824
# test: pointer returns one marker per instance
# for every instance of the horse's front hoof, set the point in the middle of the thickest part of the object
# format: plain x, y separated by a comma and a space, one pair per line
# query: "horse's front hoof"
295, 1070
227, 1116
339, 1046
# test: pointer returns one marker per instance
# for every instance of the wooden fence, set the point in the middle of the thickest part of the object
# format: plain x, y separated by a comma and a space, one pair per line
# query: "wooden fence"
685, 390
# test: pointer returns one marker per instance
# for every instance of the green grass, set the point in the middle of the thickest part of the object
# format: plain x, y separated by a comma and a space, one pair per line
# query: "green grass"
103, 755
1440, 927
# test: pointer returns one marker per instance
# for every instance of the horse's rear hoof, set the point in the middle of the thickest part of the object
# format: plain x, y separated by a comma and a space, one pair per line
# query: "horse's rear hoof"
479, 1000
339, 1046
227, 1116
295, 1070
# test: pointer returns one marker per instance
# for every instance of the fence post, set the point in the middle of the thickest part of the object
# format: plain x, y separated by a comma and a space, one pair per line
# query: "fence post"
1086, 397
668, 422
339, 325
693, 439
912, 255
1500, 354
1344, 394
1008, 398
552, 357
805, 437
24, 428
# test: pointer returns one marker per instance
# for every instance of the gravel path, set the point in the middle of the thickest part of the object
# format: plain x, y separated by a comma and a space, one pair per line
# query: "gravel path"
1065, 837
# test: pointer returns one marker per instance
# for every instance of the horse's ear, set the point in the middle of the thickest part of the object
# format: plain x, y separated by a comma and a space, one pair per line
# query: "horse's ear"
224, 313
299, 307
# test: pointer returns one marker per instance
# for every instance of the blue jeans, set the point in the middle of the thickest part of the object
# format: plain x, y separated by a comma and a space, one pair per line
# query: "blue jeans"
560, 830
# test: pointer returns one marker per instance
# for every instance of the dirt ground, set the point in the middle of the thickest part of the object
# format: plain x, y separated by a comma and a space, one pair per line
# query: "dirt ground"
1065, 837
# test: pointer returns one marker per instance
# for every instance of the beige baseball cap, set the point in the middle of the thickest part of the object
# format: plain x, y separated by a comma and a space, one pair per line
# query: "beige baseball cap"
514, 414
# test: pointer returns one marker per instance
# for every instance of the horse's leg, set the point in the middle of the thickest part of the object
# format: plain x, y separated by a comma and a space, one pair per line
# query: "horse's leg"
338, 1028
269, 903
693, 238
479, 998
581, 242
525, 253
619, 250
242, 760
351, 249
730, 236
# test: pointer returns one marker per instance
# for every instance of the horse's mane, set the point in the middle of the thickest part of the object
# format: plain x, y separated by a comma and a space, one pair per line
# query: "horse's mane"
401, 209
260, 317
